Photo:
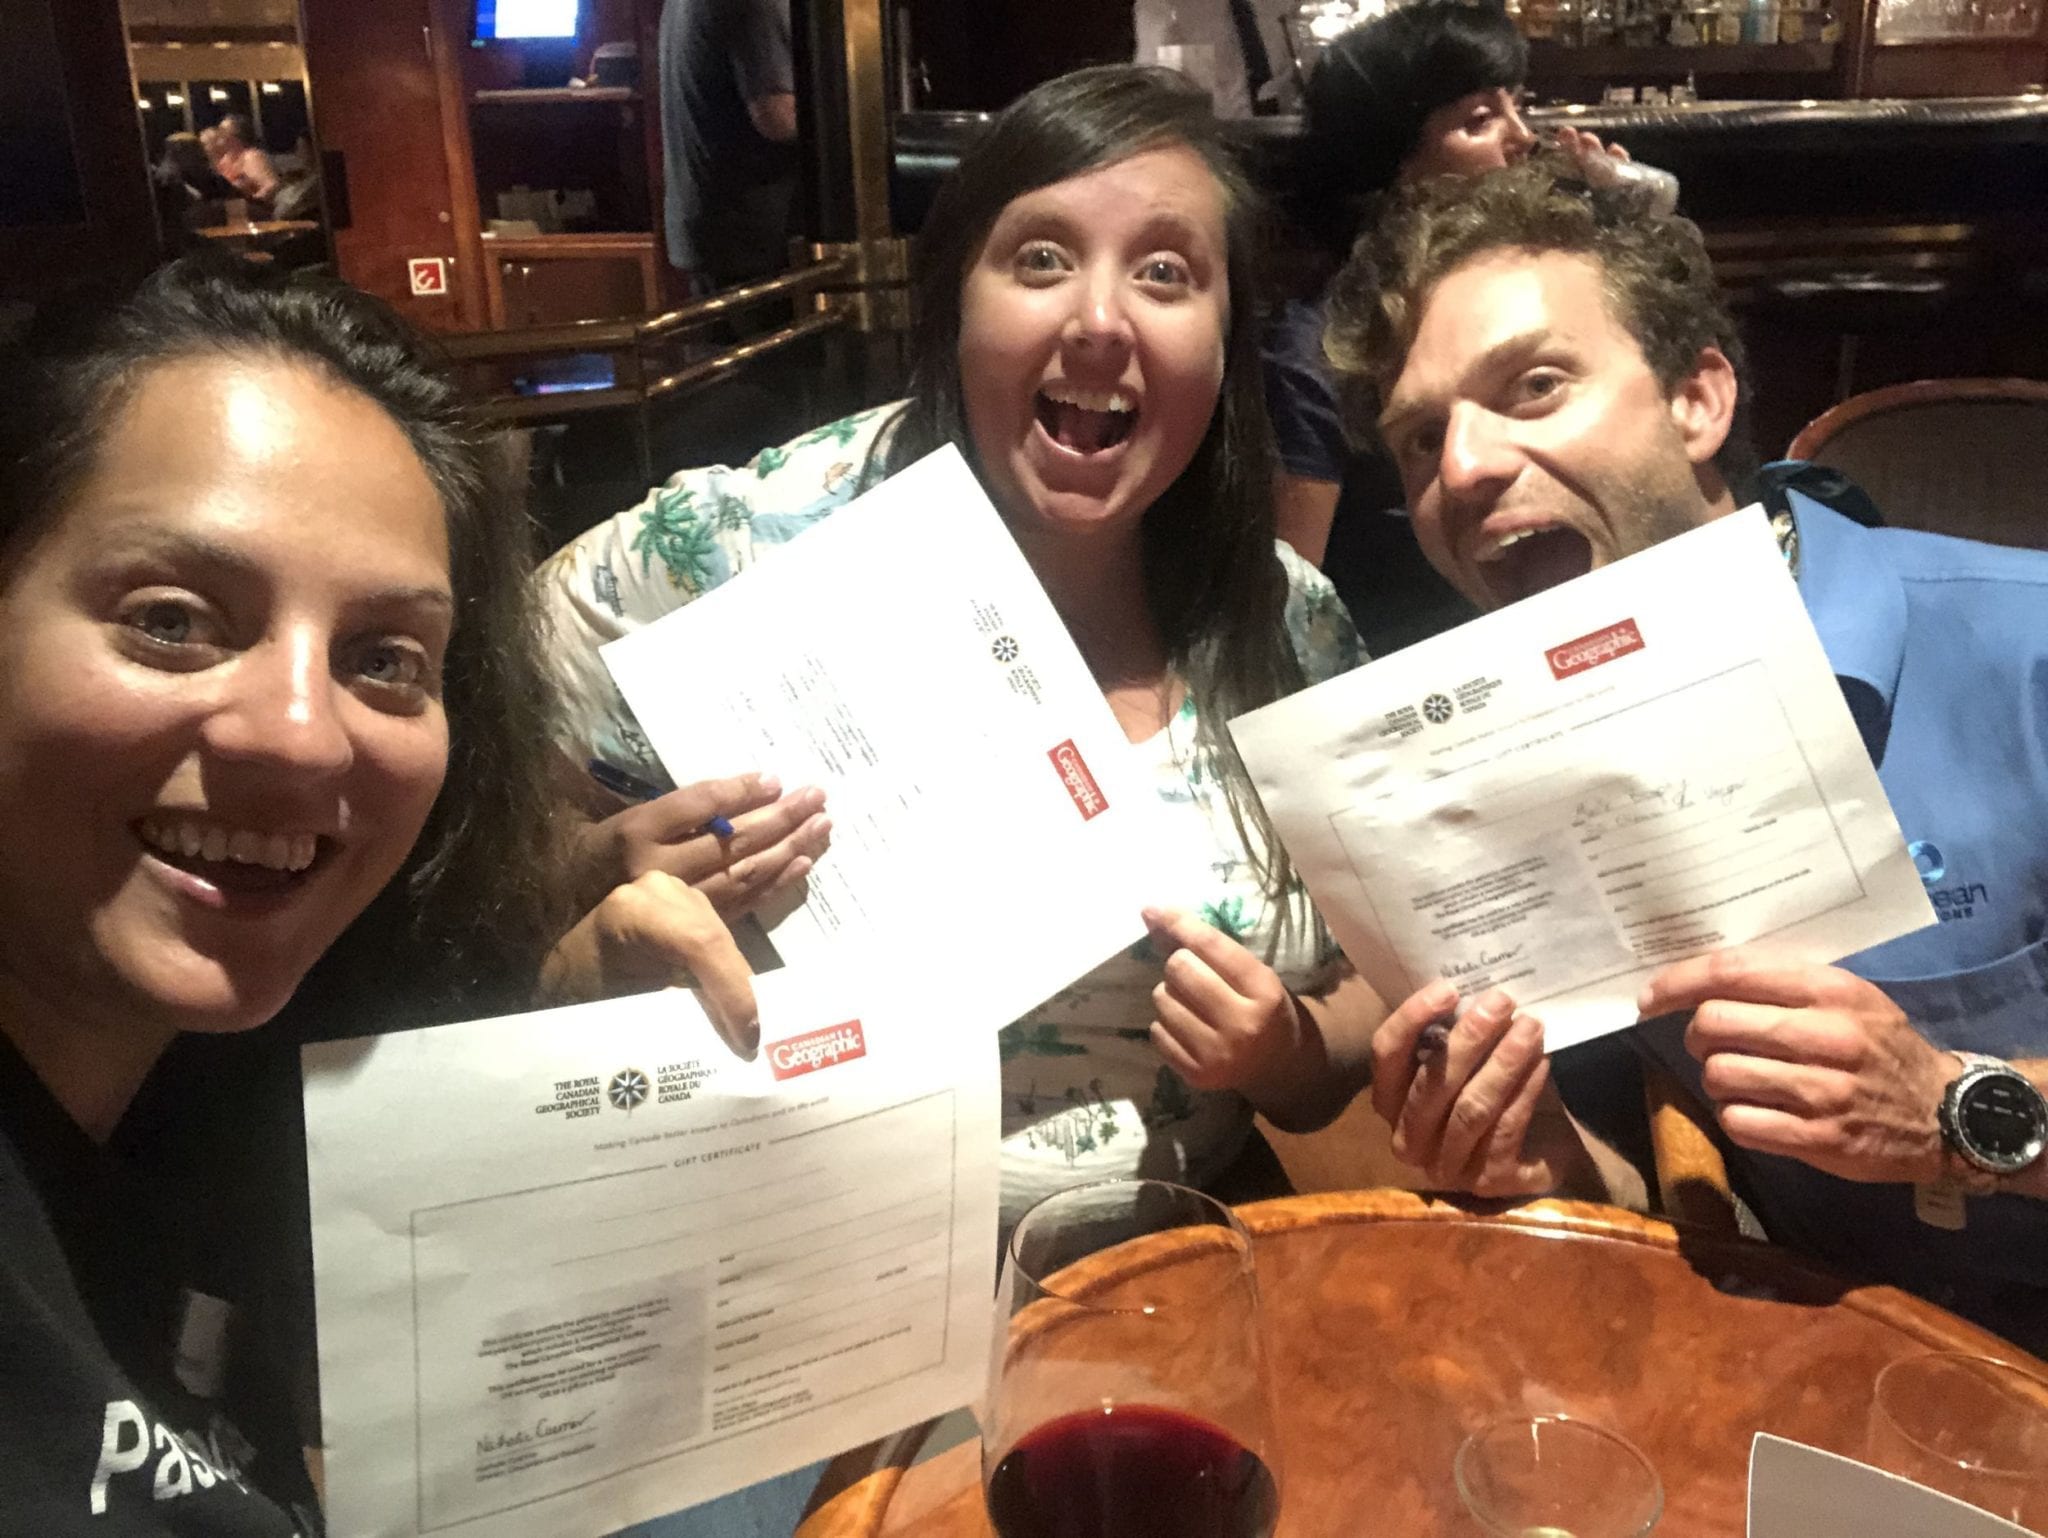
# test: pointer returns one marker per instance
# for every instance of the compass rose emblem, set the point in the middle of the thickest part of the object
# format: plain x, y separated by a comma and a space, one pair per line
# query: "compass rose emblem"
627, 1089
1437, 708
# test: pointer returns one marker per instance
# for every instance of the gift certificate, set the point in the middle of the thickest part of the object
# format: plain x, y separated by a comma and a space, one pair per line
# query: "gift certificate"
583, 1267
902, 655
1644, 764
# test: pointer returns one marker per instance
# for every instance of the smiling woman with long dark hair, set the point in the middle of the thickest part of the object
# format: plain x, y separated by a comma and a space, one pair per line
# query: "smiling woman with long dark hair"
268, 694
1086, 337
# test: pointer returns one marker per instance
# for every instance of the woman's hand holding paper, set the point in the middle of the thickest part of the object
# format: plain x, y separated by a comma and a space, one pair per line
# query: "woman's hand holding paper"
657, 932
773, 842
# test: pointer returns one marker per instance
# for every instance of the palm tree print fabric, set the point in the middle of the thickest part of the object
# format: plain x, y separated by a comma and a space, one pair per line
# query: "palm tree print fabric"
1084, 1093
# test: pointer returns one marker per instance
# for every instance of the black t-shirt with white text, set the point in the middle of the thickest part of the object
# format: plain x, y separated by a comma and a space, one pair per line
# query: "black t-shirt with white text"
133, 1400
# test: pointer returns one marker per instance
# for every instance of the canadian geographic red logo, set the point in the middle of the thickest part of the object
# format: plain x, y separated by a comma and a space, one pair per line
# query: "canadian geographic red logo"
1088, 796
1589, 651
813, 1050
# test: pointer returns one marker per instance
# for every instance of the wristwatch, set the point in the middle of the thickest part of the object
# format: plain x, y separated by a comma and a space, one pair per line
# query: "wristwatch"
1994, 1122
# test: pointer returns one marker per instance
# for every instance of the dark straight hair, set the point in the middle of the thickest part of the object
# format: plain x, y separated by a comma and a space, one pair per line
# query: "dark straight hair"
1375, 86
1213, 583
471, 907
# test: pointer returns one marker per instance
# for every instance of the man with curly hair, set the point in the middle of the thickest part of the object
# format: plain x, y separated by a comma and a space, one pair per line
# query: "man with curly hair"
1560, 384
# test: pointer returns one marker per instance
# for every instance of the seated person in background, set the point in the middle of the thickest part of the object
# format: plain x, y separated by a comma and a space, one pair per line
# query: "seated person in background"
1427, 90
1086, 336
270, 701
1556, 367
241, 162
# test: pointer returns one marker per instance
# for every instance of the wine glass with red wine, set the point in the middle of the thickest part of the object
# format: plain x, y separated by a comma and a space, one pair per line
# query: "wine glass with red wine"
1128, 1391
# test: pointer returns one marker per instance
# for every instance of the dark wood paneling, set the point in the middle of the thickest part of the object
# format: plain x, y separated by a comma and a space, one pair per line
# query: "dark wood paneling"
982, 56
387, 98
77, 208
1992, 68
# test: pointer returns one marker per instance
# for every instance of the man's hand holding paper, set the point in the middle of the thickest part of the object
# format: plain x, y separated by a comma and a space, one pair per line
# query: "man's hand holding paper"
1810, 1062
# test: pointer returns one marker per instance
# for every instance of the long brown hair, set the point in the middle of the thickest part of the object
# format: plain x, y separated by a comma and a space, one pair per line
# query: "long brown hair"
462, 925
1213, 582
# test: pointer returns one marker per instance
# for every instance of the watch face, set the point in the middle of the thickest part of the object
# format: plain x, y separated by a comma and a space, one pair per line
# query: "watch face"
2002, 1119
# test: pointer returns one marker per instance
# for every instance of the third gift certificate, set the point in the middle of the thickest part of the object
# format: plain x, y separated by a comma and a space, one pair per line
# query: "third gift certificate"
1647, 763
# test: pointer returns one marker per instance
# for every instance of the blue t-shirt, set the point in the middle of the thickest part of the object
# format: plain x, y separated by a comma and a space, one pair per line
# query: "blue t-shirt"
1301, 397
1941, 647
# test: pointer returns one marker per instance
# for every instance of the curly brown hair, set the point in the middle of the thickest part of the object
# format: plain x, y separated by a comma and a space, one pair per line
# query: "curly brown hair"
1654, 270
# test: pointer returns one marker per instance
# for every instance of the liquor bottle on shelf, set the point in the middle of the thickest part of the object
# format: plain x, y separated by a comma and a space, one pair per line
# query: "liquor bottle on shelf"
1640, 24
1175, 50
1728, 19
1792, 22
1830, 22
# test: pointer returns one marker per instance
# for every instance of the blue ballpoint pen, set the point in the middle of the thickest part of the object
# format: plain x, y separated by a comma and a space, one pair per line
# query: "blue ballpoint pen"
633, 788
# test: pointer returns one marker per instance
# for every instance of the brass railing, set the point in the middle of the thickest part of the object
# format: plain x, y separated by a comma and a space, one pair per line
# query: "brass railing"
636, 345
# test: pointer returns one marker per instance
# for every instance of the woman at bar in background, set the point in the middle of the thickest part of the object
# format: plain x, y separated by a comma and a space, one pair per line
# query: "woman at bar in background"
1430, 89
1086, 335
271, 714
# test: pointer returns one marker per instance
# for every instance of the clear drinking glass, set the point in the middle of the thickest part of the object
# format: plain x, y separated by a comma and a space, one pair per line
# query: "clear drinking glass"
1128, 1388
1968, 1426
1556, 1476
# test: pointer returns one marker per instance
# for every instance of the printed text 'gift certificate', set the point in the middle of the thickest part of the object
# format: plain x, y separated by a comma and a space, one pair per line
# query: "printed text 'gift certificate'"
579, 1268
1644, 764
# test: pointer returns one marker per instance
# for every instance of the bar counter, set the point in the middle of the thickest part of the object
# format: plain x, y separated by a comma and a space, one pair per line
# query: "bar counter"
1953, 157
1864, 242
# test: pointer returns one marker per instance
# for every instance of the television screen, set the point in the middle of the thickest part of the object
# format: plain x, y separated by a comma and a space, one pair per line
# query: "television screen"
497, 19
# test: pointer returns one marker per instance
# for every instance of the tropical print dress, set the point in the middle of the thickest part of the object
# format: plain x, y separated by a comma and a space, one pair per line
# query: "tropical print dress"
1085, 1096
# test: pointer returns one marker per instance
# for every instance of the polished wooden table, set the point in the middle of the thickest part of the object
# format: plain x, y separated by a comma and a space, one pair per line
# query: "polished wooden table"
1397, 1324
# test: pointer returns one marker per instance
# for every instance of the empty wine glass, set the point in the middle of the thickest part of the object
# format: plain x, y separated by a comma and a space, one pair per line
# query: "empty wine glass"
1128, 1389
1968, 1426
1556, 1476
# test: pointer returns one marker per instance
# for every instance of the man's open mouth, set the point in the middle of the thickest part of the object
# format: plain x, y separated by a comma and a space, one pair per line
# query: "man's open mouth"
1532, 561
1086, 421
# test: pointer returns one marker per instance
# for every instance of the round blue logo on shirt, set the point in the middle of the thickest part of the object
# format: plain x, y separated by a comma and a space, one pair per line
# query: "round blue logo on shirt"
1927, 860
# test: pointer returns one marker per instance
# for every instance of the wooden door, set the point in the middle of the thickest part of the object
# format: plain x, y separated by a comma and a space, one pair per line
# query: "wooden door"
75, 203
388, 103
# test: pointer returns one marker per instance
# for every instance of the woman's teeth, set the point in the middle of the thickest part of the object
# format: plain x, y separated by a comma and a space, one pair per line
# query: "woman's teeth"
1090, 400
183, 837
1086, 421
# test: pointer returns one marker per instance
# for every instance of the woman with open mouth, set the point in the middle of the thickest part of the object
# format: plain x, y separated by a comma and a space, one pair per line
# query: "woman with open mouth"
268, 694
1086, 336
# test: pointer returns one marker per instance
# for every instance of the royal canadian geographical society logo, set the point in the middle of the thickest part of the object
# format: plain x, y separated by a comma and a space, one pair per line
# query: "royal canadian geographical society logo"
1005, 649
1438, 709
628, 1089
